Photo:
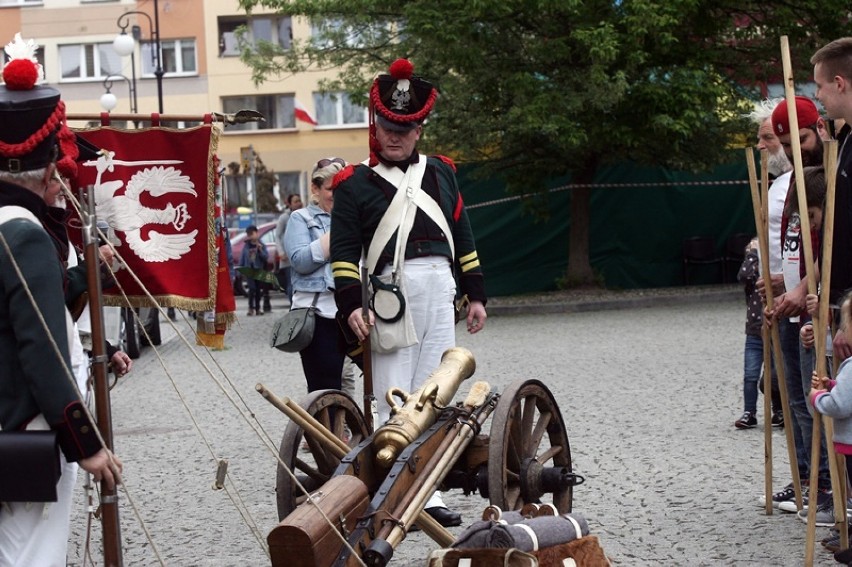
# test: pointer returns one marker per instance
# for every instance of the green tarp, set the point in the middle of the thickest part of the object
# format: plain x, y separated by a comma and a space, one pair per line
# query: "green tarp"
636, 232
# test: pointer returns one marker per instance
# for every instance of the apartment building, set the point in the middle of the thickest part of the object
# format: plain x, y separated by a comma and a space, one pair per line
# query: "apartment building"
202, 73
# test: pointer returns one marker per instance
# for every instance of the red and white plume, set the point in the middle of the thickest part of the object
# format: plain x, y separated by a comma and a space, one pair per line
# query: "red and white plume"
302, 113
23, 70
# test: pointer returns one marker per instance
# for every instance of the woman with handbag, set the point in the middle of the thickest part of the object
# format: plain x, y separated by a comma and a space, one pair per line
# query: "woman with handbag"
306, 242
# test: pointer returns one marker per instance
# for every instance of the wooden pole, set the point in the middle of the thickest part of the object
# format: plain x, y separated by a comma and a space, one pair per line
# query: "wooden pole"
761, 216
821, 323
370, 404
240, 117
805, 235
765, 338
109, 496
307, 422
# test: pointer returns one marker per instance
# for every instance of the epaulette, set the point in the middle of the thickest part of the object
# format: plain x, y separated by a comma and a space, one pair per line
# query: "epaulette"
342, 176
448, 161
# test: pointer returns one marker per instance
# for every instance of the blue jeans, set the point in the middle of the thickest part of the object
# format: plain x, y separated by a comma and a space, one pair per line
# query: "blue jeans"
254, 293
752, 363
807, 362
802, 422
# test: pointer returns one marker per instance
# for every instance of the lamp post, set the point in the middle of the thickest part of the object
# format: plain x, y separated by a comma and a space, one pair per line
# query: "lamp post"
125, 45
109, 101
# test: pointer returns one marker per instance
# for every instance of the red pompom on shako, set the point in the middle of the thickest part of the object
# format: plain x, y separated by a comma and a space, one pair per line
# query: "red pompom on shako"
401, 69
20, 75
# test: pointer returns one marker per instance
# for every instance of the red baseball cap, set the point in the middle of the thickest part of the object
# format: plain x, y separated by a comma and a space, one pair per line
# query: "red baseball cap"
806, 112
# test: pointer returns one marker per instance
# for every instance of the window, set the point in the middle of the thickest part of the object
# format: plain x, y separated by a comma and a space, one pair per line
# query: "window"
178, 57
88, 61
330, 32
288, 184
21, 2
334, 109
278, 110
278, 30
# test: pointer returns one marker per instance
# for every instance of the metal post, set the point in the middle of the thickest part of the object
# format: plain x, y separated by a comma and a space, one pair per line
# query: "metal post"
253, 173
157, 56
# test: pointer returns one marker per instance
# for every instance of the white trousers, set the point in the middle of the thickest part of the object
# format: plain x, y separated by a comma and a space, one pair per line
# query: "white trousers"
431, 291
35, 534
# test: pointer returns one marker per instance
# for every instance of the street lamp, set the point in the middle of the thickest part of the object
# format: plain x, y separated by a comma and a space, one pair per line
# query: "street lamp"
109, 101
125, 45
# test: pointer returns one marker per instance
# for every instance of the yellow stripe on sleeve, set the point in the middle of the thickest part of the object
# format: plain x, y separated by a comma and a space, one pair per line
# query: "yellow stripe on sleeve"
345, 270
468, 258
470, 265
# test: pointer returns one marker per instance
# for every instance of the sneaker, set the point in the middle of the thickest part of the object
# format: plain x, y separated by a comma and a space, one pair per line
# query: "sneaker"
250, 312
777, 419
824, 511
790, 505
832, 542
785, 495
747, 421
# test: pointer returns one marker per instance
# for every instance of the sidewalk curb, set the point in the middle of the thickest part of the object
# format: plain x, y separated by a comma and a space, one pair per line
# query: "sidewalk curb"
499, 308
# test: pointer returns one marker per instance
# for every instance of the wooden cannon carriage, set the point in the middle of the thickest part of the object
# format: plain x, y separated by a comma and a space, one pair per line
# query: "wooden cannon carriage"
369, 488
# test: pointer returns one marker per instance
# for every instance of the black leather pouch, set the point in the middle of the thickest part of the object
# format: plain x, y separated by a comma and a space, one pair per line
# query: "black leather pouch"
29, 466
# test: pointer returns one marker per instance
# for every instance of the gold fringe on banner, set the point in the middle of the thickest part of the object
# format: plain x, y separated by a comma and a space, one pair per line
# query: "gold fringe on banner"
213, 341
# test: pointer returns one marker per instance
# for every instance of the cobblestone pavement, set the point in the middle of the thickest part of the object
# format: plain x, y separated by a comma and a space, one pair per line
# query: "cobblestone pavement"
648, 391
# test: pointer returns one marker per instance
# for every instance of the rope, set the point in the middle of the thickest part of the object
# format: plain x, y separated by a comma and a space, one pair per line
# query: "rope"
570, 186
250, 523
255, 425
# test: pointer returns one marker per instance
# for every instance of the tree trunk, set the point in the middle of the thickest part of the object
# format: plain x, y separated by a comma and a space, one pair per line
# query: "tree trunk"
580, 271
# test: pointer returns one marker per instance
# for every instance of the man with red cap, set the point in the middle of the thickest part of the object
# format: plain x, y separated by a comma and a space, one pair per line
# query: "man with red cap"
37, 390
396, 192
790, 305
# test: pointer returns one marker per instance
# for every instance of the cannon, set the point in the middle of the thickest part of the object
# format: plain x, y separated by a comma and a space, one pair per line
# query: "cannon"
368, 488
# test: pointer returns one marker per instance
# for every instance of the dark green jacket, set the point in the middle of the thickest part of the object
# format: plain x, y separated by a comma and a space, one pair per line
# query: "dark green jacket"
361, 197
33, 379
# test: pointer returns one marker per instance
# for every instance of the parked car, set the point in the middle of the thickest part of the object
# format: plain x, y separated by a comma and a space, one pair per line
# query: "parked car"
239, 222
267, 237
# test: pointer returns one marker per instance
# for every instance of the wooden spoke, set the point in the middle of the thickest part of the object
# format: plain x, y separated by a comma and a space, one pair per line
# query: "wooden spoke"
540, 430
549, 454
312, 472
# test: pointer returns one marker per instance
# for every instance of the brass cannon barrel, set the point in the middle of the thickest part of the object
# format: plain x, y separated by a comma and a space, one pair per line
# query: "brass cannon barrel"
421, 409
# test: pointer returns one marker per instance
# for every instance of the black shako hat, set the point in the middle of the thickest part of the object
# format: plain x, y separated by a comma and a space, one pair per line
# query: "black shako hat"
32, 117
399, 101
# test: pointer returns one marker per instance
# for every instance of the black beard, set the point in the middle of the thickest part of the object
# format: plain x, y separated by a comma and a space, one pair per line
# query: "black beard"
812, 158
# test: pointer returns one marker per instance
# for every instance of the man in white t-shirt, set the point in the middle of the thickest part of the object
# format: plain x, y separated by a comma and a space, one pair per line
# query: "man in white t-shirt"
791, 303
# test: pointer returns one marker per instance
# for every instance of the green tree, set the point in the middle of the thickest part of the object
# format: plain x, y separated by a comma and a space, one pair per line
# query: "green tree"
265, 179
537, 89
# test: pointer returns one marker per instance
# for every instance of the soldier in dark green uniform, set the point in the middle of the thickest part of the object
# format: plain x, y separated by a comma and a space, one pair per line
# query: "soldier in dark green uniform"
398, 191
37, 390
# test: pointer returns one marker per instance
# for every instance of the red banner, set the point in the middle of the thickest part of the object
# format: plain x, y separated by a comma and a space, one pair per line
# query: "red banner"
154, 188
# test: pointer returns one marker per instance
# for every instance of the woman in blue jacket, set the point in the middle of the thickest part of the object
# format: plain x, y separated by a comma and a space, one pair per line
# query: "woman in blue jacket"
306, 242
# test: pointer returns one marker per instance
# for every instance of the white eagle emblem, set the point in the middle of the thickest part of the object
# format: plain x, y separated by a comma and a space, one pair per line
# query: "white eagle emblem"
126, 214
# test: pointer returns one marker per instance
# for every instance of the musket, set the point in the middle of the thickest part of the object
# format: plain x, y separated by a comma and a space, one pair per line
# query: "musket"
370, 408
103, 411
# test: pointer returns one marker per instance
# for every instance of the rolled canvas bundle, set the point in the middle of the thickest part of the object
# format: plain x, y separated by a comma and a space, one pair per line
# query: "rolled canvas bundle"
528, 535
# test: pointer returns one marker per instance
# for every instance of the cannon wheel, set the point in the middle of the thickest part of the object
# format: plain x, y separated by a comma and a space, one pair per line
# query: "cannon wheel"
315, 467
527, 433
